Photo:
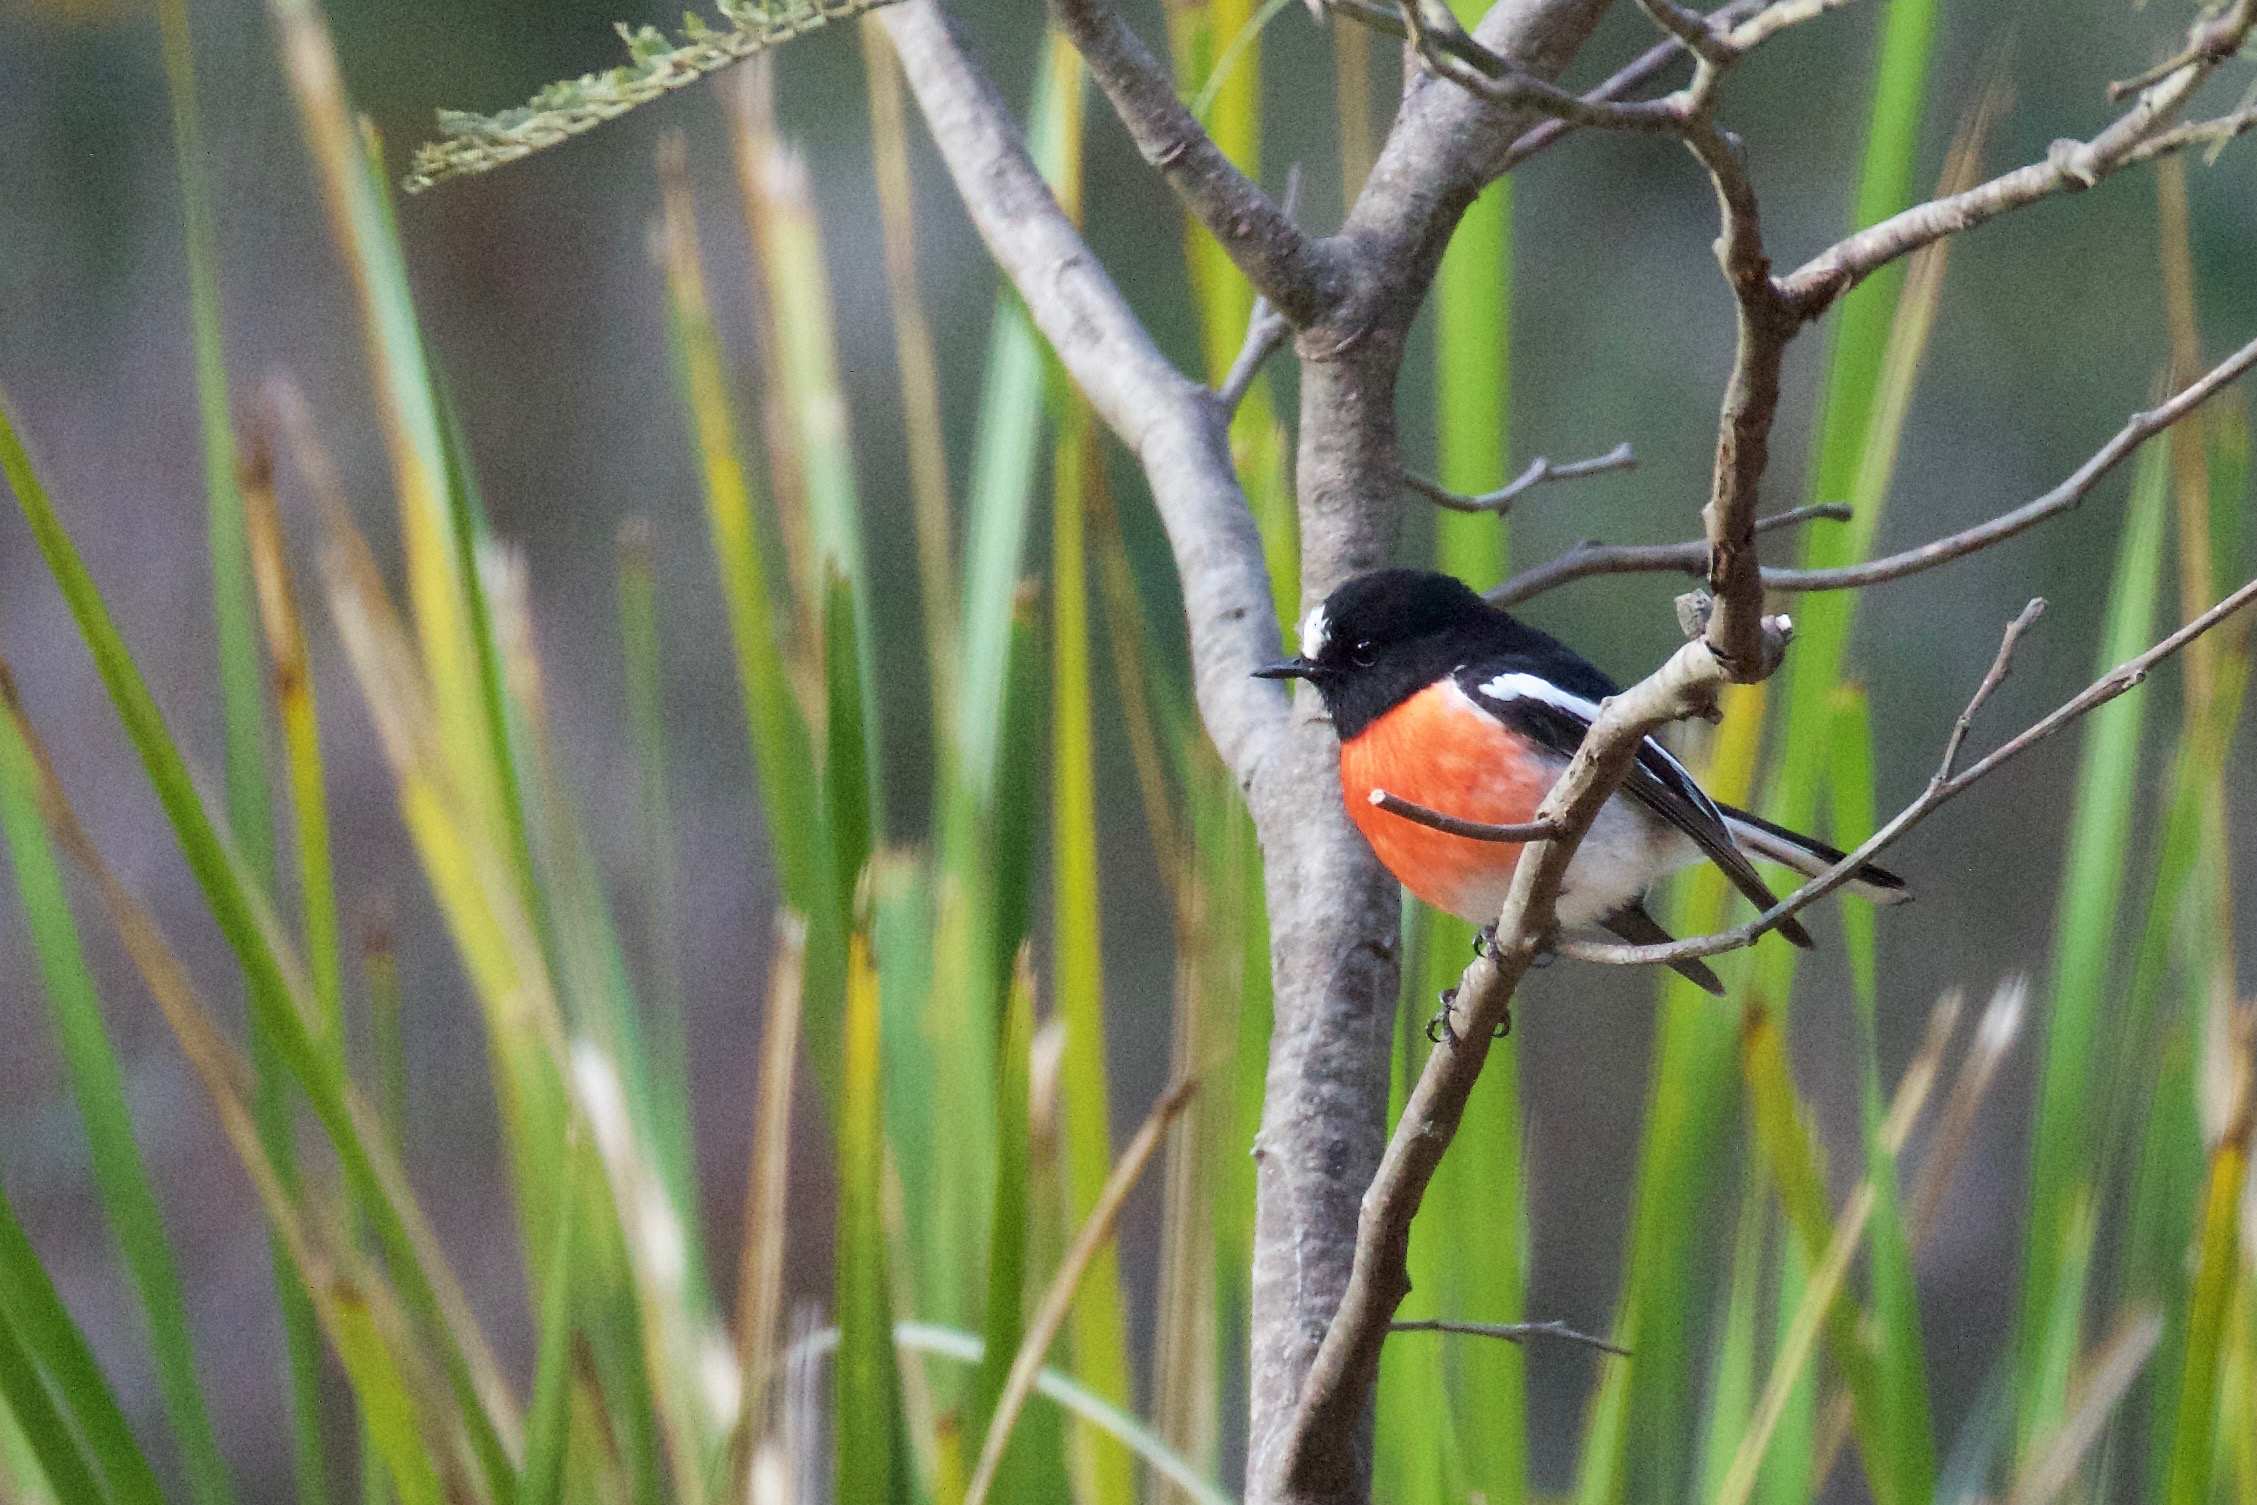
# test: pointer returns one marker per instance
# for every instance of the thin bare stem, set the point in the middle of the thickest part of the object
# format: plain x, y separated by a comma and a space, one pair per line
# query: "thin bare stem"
2123, 677
1538, 472
2068, 167
1688, 558
1472, 830
1265, 331
1510, 1332
1639, 71
1691, 558
2000, 666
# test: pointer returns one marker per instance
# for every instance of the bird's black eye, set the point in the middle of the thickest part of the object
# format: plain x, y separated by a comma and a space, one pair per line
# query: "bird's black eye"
1364, 654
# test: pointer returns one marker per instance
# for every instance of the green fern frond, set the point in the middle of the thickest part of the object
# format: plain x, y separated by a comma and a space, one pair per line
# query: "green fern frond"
656, 64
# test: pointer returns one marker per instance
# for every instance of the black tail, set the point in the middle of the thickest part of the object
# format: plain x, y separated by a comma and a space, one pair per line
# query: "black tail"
1810, 857
1642, 929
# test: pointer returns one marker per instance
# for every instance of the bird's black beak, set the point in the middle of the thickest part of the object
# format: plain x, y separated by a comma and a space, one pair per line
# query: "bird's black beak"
1291, 668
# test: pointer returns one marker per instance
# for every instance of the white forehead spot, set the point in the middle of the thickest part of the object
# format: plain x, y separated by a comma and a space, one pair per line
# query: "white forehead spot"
1532, 687
1316, 631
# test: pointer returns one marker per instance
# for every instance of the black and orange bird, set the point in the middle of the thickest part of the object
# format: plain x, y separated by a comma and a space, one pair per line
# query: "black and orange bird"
1445, 701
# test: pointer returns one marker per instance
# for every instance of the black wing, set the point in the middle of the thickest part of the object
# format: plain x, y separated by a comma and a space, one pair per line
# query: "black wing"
1532, 700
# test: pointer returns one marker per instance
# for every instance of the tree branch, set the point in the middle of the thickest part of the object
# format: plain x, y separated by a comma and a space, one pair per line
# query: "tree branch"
1169, 422
1692, 558
1510, 1332
1300, 275
1472, 830
1340, 1380
1538, 472
1943, 787
1640, 70
1348, 1362
2137, 135
1334, 913
1688, 558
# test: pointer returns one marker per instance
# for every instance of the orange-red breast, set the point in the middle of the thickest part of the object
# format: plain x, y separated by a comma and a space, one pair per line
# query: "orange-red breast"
1445, 701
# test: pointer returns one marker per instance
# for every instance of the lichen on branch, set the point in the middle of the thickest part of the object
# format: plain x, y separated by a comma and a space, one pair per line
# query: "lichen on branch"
657, 64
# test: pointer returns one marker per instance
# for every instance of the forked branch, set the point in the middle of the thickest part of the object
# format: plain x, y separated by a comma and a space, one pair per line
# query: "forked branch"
1944, 786
1300, 275
1540, 470
1691, 558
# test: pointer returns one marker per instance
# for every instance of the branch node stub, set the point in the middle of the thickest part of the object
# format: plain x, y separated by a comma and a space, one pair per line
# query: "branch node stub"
2067, 156
1694, 608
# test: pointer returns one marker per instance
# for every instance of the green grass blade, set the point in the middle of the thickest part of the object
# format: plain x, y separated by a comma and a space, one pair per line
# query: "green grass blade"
1732, 1382
549, 1417
1099, 1321
1785, 1478
238, 911
128, 1202
2166, 1200
867, 1412
926, 1338
1688, 1134
1880, 335
2217, 1271
1793, 1157
37, 1332
658, 870
1477, 1200
68, 1473
849, 772
1473, 373
2086, 925
1899, 1350
1005, 1322
802, 361
924, 434
242, 684
1005, 451
783, 762
1414, 1447
361, 225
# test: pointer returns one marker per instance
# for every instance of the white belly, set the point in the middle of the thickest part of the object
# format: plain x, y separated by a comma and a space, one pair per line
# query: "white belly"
1626, 850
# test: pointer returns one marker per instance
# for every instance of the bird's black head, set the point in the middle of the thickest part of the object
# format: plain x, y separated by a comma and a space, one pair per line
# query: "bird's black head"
1382, 637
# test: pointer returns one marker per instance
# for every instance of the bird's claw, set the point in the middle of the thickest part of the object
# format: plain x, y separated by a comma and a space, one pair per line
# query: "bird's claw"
1439, 1028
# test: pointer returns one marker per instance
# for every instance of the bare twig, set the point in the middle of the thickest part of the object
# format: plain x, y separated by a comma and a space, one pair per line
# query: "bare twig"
1510, 1332
2213, 133
1640, 70
1688, 558
1266, 328
1691, 558
1472, 830
2141, 427
2068, 167
1538, 472
1751, 403
2000, 666
2123, 677
1301, 275
1265, 331
1699, 35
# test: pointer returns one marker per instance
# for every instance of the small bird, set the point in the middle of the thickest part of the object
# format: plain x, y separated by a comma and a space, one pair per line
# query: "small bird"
1445, 701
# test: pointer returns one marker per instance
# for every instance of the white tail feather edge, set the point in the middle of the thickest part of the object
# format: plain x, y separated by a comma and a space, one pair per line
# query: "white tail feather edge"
1777, 848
